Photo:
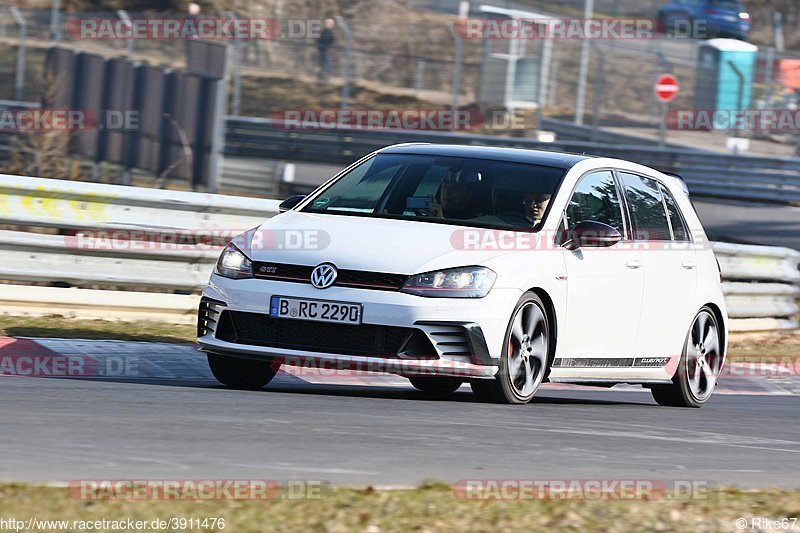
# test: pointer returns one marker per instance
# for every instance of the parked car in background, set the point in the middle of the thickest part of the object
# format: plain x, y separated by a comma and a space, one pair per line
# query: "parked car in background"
705, 19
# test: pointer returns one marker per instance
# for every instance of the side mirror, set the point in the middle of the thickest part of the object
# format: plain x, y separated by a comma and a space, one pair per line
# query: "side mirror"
290, 202
591, 234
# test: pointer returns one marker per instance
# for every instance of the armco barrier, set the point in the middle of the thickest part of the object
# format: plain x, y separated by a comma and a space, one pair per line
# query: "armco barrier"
707, 173
258, 146
761, 283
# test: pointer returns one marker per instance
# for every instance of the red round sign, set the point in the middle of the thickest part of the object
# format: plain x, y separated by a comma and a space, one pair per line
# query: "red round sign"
666, 87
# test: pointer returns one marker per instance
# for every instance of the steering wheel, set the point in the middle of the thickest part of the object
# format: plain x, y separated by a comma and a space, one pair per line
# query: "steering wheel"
519, 216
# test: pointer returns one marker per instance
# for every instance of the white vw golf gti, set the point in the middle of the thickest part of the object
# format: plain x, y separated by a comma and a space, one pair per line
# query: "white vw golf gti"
503, 268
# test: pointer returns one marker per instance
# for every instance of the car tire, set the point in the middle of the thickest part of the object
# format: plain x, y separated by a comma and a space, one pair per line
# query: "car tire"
244, 374
436, 387
699, 367
525, 356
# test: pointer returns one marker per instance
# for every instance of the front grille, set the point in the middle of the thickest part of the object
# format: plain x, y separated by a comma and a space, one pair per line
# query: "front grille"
357, 279
348, 339
370, 280
282, 271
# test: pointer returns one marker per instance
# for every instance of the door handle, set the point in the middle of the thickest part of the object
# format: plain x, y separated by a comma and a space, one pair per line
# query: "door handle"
688, 265
634, 263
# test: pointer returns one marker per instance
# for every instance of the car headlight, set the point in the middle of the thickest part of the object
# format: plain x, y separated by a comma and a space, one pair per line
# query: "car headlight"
232, 263
464, 282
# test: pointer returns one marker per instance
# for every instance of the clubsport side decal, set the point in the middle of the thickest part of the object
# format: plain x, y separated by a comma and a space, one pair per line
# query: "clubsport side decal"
609, 362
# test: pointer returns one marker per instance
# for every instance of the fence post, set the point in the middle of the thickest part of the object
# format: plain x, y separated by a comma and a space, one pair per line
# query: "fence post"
599, 89
583, 70
19, 80
768, 74
456, 89
777, 30
545, 62
236, 96
348, 51
552, 86
123, 15
419, 76
55, 33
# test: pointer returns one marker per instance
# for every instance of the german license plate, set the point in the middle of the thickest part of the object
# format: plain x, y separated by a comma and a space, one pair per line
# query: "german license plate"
316, 310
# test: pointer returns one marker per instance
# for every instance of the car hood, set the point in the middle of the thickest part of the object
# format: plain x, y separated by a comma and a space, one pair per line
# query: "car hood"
359, 243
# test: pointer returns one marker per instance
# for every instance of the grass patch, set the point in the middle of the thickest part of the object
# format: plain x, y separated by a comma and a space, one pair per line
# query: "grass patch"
71, 328
752, 346
429, 508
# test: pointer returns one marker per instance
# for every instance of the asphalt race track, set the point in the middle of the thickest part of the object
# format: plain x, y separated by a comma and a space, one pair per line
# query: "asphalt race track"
173, 421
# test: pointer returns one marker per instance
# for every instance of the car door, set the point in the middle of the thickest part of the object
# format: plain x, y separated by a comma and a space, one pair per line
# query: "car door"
669, 266
604, 285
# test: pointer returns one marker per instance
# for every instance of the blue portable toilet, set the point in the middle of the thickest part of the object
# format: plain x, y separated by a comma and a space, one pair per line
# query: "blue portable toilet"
724, 75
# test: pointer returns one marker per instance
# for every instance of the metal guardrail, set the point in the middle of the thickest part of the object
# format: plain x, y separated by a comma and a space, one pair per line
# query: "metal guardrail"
95, 235
104, 240
706, 173
761, 284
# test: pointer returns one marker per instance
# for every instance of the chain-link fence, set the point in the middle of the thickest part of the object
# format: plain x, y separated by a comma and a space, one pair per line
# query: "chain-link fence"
413, 57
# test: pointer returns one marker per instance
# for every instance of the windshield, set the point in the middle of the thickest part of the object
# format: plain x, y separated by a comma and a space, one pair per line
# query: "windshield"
451, 190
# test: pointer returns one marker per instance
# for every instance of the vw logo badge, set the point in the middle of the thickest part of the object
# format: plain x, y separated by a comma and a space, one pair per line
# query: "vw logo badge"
323, 275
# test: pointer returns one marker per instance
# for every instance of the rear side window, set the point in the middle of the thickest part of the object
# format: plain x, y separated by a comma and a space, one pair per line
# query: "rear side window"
679, 230
647, 209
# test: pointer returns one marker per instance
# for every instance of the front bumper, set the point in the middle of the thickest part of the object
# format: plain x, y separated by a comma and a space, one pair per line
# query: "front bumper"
477, 323
326, 363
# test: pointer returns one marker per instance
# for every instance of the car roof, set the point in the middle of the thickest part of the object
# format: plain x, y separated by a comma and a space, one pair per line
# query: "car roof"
495, 153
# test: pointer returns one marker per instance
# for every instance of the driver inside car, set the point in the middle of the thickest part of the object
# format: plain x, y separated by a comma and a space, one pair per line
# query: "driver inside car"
458, 194
535, 206
455, 199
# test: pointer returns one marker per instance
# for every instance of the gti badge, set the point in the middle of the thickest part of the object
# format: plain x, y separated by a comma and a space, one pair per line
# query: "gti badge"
323, 275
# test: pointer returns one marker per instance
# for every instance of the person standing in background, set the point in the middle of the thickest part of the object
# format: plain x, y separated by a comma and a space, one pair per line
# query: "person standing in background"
324, 43
194, 15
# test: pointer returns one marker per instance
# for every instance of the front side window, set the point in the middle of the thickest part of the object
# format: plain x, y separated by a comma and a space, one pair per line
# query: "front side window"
647, 208
446, 189
596, 199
